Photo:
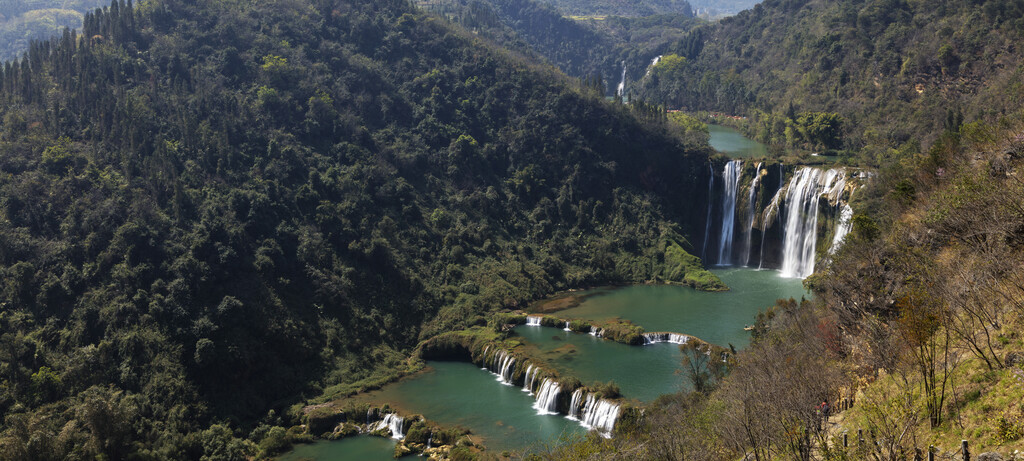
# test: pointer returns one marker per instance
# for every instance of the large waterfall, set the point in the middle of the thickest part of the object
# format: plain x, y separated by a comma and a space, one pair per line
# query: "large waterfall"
533, 320
547, 397
788, 224
731, 178
801, 224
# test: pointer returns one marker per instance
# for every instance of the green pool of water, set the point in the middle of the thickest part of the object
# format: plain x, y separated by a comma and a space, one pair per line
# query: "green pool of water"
645, 372
361, 448
461, 394
733, 143
642, 372
718, 318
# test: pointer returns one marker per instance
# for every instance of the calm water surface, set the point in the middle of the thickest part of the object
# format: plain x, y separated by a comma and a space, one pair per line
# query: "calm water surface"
733, 143
461, 394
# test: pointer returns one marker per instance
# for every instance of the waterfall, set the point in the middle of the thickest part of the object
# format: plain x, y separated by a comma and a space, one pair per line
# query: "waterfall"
731, 177
547, 398
751, 208
654, 62
575, 405
392, 422
674, 338
801, 223
843, 228
621, 90
594, 331
533, 320
567, 326
483, 357
707, 223
504, 367
599, 414
531, 374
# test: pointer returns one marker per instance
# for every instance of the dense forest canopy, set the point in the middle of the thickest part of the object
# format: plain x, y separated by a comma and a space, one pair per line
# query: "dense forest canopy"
212, 208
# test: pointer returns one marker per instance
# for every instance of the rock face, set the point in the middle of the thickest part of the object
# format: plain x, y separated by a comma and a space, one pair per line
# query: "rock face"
990, 456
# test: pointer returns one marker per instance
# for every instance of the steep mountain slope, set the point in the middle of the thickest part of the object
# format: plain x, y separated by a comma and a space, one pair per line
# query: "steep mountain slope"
208, 208
892, 68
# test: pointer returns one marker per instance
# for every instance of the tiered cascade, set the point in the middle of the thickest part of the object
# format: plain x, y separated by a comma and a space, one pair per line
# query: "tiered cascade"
783, 220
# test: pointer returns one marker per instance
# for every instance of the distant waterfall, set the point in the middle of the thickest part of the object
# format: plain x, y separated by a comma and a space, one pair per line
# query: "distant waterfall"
674, 338
751, 211
801, 224
392, 422
547, 397
843, 228
594, 331
654, 62
501, 365
621, 90
533, 321
567, 328
731, 178
707, 223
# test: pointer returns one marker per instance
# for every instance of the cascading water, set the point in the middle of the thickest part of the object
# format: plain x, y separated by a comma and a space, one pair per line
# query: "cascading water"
674, 338
533, 321
599, 414
567, 328
707, 223
771, 212
392, 422
801, 223
654, 62
547, 398
531, 374
483, 360
843, 228
576, 404
731, 178
594, 331
751, 209
621, 90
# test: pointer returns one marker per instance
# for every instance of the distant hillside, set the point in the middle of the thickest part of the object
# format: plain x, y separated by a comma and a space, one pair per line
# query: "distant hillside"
25, 20
629, 8
867, 61
581, 48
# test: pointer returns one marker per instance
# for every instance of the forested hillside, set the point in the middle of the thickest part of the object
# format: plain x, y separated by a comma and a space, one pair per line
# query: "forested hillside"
22, 21
592, 49
210, 209
894, 70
